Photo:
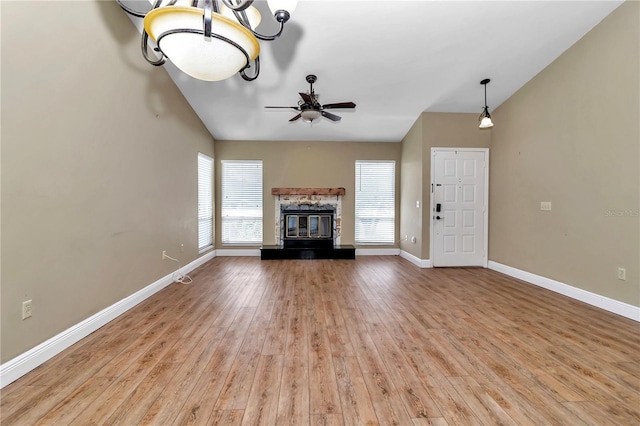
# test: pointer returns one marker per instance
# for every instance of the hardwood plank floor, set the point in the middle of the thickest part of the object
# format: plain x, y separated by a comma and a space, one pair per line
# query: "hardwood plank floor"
371, 341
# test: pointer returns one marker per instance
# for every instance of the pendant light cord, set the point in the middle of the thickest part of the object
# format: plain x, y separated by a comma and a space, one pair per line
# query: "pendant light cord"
485, 96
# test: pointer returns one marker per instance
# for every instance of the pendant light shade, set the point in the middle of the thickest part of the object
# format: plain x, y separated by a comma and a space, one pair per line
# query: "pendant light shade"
485, 118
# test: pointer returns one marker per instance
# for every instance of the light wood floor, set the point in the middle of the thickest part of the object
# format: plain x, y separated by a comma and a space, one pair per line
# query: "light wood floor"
320, 342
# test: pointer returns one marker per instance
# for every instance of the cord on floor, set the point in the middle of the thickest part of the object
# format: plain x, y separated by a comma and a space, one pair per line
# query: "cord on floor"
178, 276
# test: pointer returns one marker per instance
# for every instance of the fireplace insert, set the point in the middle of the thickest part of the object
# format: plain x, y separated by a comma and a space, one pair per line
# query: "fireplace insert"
305, 228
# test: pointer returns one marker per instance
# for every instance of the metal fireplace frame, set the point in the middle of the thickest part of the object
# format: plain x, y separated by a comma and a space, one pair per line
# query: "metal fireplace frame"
323, 238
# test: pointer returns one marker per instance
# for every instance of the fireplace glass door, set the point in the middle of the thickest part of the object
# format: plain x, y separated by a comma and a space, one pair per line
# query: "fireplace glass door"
320, 226
308, 226
292, 226
302, 226
314, 226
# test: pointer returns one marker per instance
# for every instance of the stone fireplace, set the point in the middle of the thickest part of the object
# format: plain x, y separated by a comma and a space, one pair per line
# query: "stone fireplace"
307, 225
308, 219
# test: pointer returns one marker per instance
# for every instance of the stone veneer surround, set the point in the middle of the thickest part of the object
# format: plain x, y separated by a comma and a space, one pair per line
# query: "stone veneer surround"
303, 202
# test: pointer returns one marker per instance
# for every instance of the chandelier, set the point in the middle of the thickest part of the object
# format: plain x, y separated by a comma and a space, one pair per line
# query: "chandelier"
209, 40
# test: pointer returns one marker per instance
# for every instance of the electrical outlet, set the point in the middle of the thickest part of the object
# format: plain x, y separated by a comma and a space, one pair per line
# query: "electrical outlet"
164, 254
27, 309
622, 274
545, 205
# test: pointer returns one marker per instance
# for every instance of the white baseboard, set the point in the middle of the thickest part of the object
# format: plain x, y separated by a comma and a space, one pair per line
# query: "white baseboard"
602, 302
237, 252
422, 263
12, 370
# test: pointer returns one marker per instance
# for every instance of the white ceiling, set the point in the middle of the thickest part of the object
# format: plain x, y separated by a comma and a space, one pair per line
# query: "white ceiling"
394, 59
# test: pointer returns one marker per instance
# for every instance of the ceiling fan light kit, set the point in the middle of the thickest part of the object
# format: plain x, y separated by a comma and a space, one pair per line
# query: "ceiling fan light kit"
309, 107
309, 115
485, 118
209, 40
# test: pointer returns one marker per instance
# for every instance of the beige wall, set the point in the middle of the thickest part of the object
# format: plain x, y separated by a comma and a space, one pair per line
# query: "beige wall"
98, 167
411, 220
432, 130
571, 136
306, 165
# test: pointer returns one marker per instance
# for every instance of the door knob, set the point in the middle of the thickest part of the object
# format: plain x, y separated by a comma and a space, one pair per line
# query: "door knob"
439, 218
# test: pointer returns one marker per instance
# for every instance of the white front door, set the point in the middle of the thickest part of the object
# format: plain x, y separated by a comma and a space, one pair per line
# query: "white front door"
459, 214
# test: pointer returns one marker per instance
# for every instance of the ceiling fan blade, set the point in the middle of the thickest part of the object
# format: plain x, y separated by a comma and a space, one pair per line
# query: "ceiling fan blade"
330, 116
296, 117
306, 97
339, 105
289, 107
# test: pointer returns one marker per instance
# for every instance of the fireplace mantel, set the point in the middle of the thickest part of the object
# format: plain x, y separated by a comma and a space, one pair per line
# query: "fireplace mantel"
307, 191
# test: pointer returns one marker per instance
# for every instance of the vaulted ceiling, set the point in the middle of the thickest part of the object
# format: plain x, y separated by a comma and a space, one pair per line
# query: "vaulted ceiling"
394, 59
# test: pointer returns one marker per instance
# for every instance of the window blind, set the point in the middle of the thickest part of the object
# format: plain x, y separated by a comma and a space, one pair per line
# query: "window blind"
375, 202
241, 208
205, 202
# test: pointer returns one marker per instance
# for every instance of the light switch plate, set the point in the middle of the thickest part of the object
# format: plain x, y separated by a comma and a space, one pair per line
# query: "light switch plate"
622, 274
545, 205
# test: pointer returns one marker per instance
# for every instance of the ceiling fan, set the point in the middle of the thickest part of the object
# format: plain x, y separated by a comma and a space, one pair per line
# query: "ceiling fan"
309, 107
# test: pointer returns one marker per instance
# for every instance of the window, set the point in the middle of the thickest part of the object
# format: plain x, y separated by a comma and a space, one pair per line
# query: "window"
205, 202
241, 202
375, 202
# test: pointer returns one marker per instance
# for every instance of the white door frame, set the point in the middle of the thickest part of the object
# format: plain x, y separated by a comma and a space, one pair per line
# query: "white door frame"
485, 260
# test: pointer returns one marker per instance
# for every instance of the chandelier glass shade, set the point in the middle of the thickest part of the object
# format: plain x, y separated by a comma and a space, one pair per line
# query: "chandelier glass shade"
210, 59
277, 6
252, 14
209, 40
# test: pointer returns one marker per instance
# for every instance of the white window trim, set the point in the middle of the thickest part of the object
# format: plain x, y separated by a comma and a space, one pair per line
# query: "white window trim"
372, 242
203, 160
258, 208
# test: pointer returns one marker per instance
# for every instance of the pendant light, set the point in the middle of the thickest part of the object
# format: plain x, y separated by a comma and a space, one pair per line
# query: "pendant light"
485, 118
